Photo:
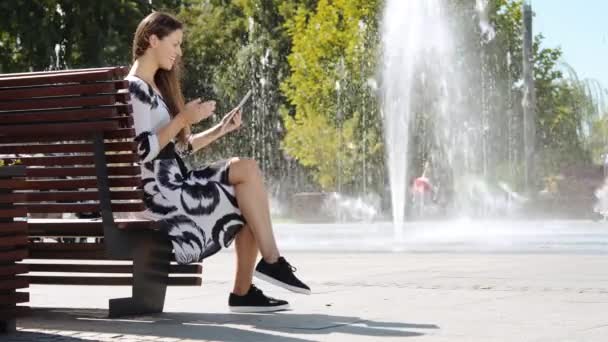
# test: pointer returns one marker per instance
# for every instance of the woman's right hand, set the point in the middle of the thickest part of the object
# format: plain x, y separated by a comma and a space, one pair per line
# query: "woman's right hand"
196, 111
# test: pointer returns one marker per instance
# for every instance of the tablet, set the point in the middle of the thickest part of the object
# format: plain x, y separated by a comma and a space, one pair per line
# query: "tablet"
243, 101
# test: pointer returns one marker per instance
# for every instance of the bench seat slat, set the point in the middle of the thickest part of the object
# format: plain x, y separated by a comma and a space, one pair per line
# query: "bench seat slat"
66, 230
106, 281
62, 250
88, 251
82, 227
97, 268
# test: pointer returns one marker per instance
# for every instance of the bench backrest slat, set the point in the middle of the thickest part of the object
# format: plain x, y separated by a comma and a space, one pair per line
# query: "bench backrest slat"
121, 133
28, 92
55, 78
77, 160
48, 208
129, 146
108, 112
58, 129
72, 101
78, 171
68, 184
116, 72
67, 196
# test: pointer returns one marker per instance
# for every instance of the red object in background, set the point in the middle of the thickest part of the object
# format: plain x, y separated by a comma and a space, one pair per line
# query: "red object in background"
422, 185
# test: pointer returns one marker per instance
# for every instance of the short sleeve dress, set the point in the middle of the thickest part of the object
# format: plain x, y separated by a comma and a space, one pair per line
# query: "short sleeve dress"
198, 208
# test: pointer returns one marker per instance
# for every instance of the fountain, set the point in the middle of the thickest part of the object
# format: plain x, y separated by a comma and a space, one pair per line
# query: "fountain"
416, 53
440, 85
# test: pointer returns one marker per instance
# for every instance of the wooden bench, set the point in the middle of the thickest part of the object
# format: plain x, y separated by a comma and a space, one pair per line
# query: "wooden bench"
72, 131
13, 248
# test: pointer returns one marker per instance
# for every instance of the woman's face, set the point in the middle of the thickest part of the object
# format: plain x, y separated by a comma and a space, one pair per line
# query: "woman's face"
168, 49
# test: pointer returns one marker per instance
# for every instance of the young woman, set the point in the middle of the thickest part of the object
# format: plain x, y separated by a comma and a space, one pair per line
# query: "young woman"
202, 210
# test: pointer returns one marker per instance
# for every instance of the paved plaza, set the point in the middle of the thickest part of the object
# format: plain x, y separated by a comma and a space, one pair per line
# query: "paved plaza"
540, 282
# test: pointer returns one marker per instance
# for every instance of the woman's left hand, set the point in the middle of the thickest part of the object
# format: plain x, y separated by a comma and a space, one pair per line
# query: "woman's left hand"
231, 121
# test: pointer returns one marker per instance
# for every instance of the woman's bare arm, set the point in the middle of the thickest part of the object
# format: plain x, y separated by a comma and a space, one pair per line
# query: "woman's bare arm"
205, 138
170, 130
230, 122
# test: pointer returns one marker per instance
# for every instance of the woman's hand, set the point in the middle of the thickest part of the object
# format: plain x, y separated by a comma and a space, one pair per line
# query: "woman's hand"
195, 111
231, 121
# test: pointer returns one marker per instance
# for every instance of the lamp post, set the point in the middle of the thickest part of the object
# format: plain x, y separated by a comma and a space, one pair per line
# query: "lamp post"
529, 97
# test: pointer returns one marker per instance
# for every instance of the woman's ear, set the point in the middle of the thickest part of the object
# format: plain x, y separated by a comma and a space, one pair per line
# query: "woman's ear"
153, 40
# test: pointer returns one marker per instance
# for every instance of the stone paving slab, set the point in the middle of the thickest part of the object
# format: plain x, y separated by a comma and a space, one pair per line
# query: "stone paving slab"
358, 297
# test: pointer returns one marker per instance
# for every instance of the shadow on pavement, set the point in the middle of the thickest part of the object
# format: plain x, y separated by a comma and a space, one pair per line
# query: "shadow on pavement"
219, 326
21, 336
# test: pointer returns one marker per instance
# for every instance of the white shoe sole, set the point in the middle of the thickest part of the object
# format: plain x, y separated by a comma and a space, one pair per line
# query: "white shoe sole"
273, 281
254, 309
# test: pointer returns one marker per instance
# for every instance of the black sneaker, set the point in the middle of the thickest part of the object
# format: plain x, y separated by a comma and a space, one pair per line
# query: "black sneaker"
281, 274
255, 301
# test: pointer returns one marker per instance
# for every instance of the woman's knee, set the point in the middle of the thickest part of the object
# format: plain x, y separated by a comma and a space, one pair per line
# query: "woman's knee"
242, 169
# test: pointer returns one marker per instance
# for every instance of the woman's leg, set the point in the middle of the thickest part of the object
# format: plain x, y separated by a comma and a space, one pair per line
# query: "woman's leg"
246, 177
246, 255
242, 299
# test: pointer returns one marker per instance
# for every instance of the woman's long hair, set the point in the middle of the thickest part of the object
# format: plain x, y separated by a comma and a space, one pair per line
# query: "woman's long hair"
168, 81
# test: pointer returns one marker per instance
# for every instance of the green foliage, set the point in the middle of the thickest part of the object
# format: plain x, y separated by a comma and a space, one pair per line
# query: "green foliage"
60, 34
310, 64
561, 106
333, 56
589, 102
233, 46
598, 139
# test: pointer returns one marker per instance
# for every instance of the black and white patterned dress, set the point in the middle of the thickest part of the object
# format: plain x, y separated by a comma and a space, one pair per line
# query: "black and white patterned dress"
198, 208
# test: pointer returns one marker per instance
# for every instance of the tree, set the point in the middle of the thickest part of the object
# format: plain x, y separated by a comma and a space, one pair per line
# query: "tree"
336, 122
232, 46
59, 34
559, 108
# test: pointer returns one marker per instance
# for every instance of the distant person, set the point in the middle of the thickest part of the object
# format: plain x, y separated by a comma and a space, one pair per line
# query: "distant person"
600, 208
203, 210
422, 185
422, 190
